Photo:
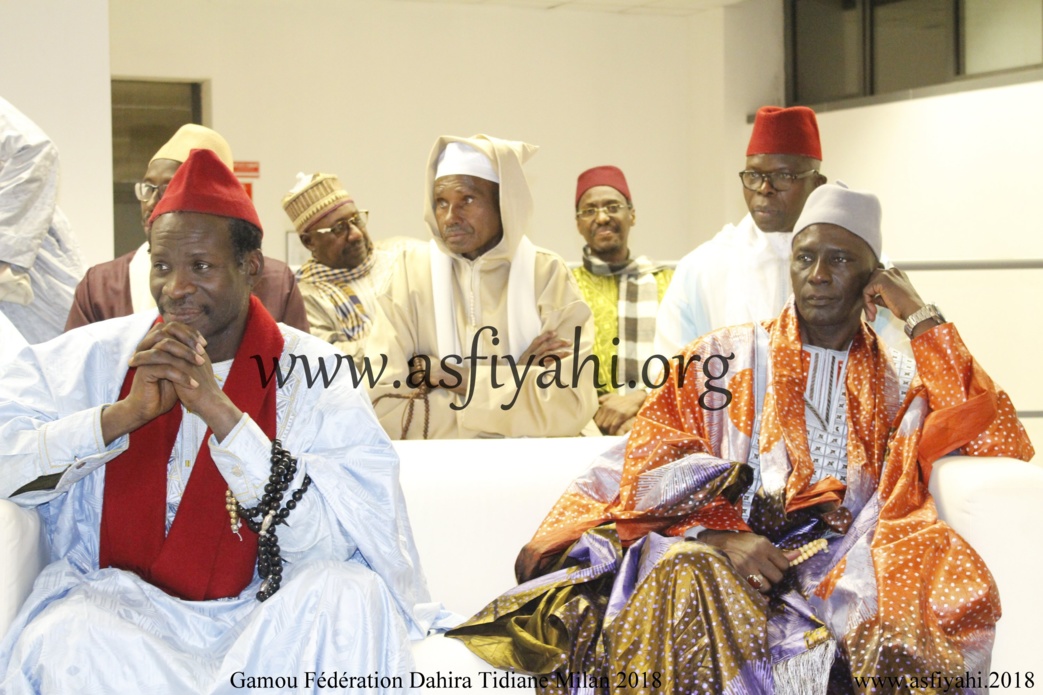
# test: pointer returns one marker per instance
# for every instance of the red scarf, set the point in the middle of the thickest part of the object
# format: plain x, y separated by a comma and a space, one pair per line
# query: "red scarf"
200, 559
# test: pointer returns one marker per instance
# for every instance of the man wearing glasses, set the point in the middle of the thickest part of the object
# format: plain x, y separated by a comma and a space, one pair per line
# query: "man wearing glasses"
121, 286
623, 293
742, 274
346, 272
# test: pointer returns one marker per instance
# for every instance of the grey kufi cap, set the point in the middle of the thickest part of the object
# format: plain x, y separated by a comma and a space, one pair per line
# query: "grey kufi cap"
856, 211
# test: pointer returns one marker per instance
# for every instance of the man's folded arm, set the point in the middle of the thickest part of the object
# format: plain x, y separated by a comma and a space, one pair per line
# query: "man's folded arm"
393, 338
244, 461
540, 407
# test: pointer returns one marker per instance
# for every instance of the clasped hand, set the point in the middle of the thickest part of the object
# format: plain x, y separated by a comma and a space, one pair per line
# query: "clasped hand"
172, 366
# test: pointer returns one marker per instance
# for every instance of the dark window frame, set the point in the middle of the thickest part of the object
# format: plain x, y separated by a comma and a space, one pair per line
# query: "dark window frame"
958, 81
127, 233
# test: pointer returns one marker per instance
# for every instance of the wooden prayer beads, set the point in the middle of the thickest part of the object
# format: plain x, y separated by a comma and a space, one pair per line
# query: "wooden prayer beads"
808, 549
232, 507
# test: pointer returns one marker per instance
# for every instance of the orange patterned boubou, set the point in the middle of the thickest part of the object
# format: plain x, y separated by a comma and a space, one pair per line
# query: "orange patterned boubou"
612, 587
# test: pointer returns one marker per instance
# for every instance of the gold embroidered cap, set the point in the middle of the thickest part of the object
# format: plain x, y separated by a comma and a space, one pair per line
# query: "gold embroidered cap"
313, 197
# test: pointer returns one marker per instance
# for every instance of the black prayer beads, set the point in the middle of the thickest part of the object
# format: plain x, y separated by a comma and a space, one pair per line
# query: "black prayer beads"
266, 516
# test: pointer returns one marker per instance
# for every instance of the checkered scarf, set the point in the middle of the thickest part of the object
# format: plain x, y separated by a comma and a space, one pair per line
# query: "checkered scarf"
335, 285
638, 304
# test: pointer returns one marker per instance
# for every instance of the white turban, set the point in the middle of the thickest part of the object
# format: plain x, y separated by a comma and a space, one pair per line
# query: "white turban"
461, 159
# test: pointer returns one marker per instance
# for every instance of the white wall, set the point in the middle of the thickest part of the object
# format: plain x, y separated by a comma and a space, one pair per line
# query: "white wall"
957, 177
55, 69
755, 76
739, 61
362, 88
956, 173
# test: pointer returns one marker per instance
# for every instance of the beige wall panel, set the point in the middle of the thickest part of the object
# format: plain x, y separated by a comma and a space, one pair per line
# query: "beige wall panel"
54, 67
362, 88
993, 312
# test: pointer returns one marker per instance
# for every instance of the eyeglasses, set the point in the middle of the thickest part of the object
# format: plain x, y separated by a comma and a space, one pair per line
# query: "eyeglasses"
612, 209
342, 227
779, 180
145, 190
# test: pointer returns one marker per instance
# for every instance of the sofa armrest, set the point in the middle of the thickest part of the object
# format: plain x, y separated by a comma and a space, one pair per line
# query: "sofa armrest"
23, 552
473, 504
996, 504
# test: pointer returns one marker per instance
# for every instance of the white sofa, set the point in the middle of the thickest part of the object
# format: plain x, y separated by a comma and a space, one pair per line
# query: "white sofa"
473, 504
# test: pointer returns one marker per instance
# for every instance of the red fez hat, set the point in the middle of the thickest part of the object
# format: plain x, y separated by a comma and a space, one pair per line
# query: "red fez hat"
204, 184
785, 131
602, 176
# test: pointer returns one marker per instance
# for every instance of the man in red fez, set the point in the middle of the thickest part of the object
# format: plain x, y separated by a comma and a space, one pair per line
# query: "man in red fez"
623, 293
199, 488
121, 286
742, 274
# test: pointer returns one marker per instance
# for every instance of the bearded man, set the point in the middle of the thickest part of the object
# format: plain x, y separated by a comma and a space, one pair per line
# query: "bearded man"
623, 293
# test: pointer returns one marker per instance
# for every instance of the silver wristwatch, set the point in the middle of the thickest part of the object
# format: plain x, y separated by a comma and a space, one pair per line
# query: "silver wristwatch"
927, 311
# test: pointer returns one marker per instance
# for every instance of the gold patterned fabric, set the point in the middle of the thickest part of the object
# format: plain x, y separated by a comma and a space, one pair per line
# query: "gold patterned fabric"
601, 293
684, 628
897, 592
